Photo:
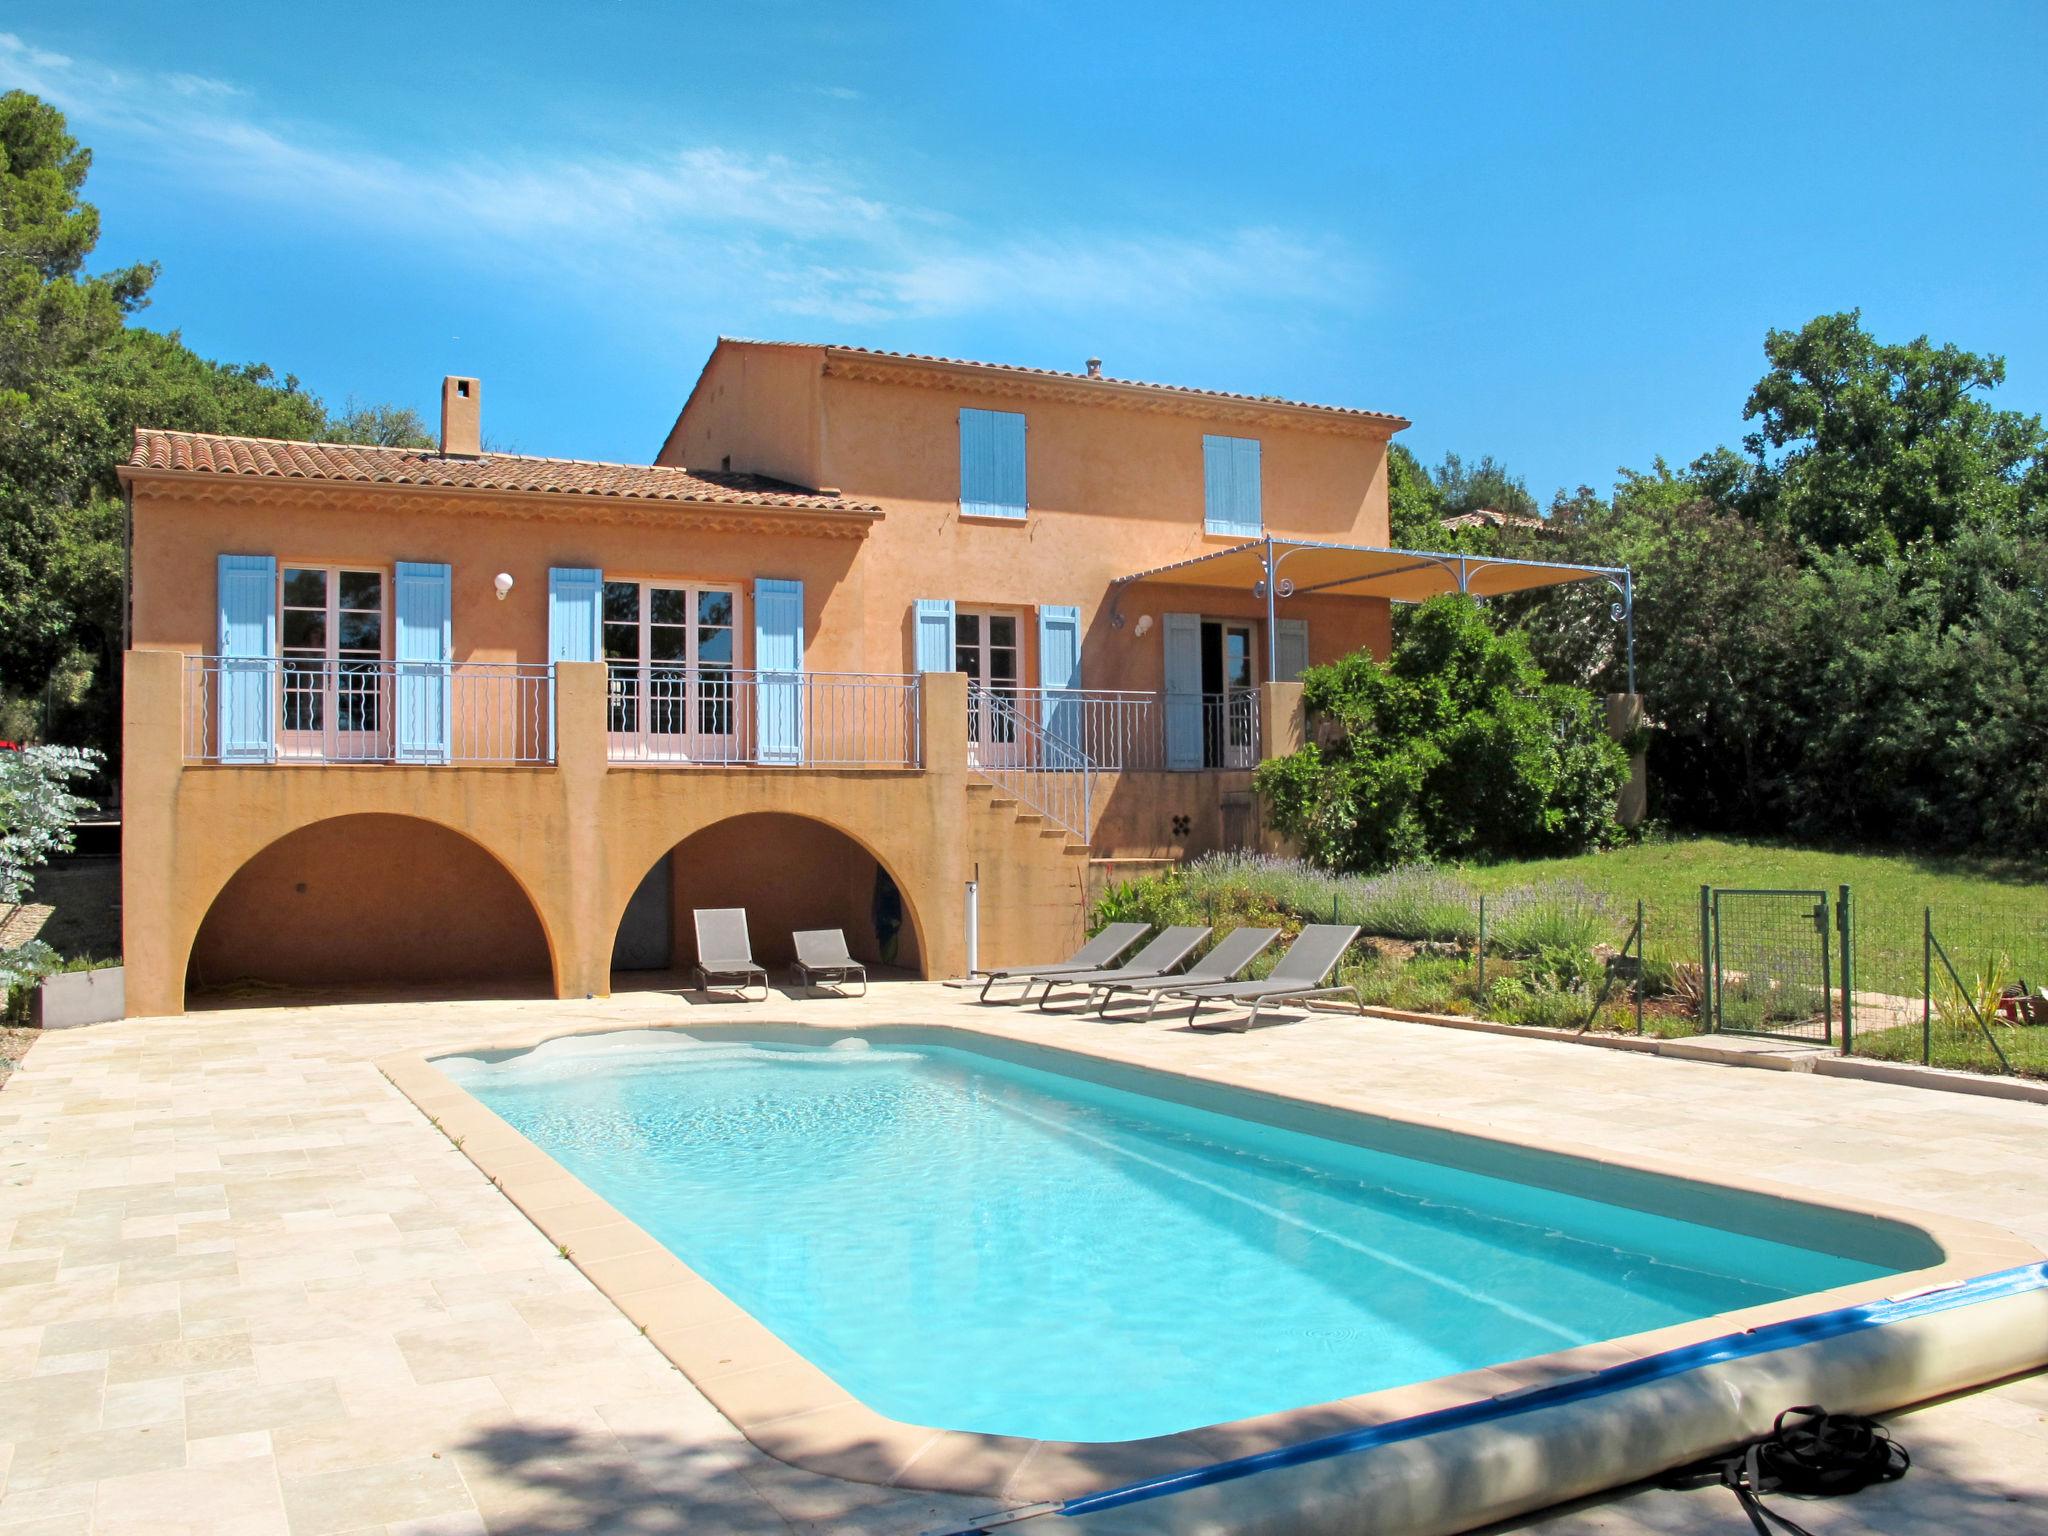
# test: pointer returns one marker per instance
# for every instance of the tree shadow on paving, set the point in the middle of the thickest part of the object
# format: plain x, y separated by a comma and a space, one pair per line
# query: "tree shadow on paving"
551, 1481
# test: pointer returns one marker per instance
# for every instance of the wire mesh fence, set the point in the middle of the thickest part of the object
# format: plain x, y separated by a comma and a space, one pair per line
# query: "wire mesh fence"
1958, 984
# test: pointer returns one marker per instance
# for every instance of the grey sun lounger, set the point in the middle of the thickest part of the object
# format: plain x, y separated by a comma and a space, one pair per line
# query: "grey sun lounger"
822, 960
1303, 973
725, 956
1233, 952
1096, 953
1161, 956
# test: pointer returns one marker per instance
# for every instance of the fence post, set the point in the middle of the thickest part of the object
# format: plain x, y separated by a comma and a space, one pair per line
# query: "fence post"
1843, 922
1706, 959
1482, 950
1642, 964
1926, 986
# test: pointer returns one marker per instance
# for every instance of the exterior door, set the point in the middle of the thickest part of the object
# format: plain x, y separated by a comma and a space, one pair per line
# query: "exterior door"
669, 654
1229, 702
985, 648
332, 684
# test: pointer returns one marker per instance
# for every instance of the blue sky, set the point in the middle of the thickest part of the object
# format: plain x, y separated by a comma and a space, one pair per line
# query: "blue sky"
1553, 233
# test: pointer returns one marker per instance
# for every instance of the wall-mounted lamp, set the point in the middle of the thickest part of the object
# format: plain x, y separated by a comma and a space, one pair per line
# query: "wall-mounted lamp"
504, 585
1144, 625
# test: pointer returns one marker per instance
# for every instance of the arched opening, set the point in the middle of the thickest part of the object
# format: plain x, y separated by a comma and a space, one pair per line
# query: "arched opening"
369, 904
789, 872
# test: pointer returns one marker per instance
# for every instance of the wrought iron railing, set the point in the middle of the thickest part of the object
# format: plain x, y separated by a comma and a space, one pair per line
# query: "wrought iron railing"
1041, 771
734, 716
315, 709
1136, 732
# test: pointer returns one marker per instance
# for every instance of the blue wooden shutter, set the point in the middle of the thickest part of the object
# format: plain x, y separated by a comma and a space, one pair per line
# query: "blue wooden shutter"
992, 464
1182, 635
935, 635
1230, 486
1291, 650
1059, 672
779, 669
422, 649
247, 590
573, 609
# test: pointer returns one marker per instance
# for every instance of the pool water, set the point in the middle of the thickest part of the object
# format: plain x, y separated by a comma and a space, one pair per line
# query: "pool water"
971, 1242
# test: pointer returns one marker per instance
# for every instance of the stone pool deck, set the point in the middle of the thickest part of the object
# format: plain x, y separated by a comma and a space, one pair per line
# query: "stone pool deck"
245, 1287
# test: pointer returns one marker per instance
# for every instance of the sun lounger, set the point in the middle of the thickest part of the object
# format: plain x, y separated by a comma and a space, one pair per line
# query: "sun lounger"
822, 960
725, 956
1233, 952
1092, 956
1161, 956
1303, 973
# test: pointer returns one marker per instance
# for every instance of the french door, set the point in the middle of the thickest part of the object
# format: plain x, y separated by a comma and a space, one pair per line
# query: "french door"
669, 653
1229, 704
331, 675
985, 648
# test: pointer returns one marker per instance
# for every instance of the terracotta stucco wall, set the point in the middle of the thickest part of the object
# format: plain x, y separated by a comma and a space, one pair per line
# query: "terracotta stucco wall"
576, 837
177, 542
359, 897
758, 407
1113, 490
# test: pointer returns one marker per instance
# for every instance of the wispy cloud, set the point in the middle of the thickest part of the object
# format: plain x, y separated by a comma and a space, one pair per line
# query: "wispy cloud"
759, 233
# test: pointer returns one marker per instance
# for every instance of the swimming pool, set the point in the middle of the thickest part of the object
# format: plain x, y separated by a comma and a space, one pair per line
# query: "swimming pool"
1033, 1244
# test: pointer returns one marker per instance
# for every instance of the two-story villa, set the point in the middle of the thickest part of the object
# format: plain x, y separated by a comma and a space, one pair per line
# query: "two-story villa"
917, 648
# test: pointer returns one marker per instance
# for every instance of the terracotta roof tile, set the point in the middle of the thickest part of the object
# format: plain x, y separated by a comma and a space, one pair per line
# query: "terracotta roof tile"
269, 457
1085, 378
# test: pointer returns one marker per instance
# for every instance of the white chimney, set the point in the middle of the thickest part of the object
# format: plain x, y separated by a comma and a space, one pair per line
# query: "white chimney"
1094, 367
462, 416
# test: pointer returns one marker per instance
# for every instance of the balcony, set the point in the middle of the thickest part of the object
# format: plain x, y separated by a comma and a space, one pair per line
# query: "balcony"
292, 710
728, 717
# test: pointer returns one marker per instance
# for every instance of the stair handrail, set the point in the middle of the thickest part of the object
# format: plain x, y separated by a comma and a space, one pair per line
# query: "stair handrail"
1053, 777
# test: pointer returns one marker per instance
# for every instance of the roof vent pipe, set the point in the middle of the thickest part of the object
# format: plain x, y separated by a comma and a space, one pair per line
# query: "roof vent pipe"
1094, 367
462, 415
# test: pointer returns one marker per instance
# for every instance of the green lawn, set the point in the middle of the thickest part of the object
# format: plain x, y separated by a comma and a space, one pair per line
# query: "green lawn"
1984, 909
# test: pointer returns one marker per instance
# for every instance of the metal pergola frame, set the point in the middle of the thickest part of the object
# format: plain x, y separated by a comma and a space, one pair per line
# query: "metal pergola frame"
1460, 569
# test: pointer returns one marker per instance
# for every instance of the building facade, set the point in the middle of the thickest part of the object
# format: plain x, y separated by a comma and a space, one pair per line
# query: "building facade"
865, 631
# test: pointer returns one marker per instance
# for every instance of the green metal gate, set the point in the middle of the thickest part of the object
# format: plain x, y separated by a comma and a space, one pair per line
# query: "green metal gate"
1765, 958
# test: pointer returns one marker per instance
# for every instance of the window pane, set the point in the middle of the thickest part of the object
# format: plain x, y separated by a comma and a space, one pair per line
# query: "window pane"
623, 685
304, 631
1002, 629
967, 629
967, 658
305, 589
622, 642
714, 608
362, 632
622, 602
1002, 669
667, 605
714, 646
362, 589
666, 642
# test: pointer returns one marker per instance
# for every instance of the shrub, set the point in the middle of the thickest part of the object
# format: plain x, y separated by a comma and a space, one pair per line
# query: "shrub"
1455, 746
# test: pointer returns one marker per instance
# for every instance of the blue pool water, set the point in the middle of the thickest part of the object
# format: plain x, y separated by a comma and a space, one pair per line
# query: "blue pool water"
968, 1242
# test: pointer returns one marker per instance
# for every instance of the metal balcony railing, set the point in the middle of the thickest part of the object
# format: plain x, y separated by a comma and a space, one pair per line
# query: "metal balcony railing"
328, 710
1126, 731
733, 717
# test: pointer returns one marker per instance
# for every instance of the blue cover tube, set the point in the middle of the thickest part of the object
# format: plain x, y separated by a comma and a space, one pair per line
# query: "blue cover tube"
1673, 1362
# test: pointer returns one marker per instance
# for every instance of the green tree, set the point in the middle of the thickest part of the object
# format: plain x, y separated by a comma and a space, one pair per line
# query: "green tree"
77, 377
1875, 447
1415, 507
1487, 486
1456, 746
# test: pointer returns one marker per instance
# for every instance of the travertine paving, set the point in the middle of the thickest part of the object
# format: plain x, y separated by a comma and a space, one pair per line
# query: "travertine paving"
245, 1287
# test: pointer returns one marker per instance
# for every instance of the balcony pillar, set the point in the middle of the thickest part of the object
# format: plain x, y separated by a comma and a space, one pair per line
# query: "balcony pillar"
1625, 725
155, 934
1283, 725
574, 904
941, 867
